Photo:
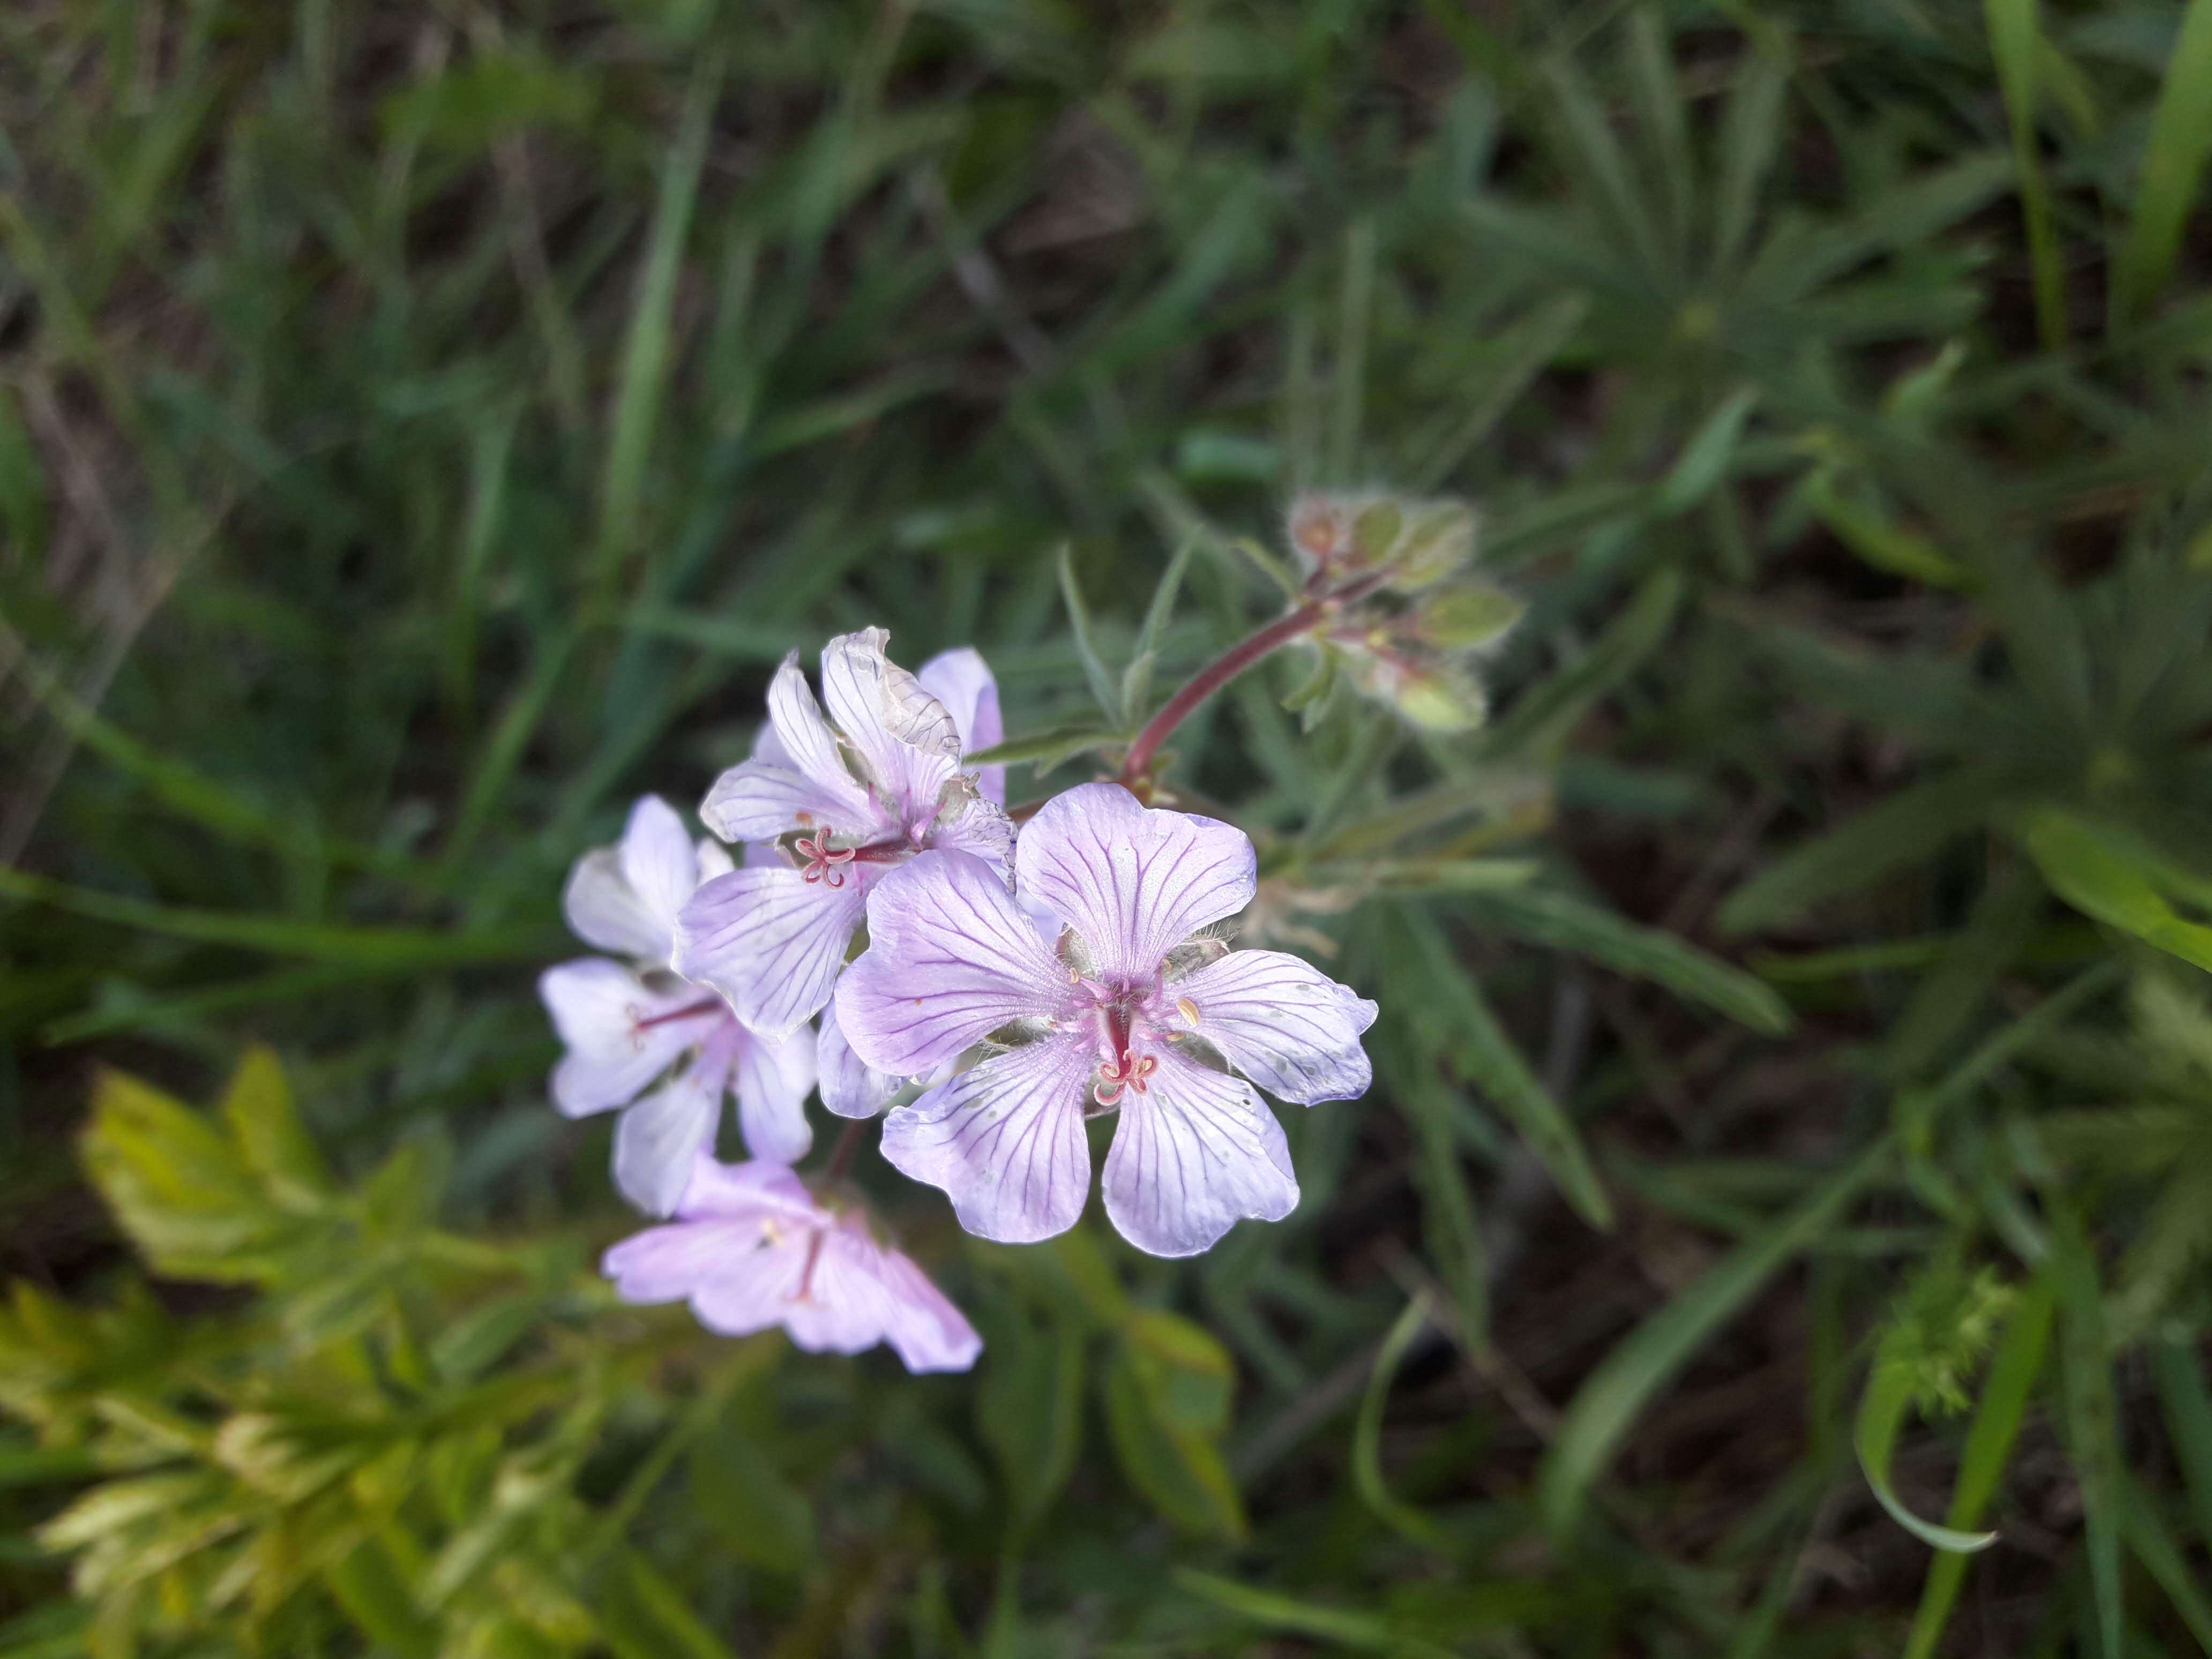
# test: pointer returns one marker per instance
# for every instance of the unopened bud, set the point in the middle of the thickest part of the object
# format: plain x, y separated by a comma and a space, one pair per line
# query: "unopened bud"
1375, 532
1467, 618
1317, 528
1437, 696
1439, 540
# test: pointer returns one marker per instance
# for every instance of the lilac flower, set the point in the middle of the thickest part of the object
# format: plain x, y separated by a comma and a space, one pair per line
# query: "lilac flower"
845, 800
750, 1247
626, 1027
1136, 1009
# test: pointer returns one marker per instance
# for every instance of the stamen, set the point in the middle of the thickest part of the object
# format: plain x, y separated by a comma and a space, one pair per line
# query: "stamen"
1187, 1009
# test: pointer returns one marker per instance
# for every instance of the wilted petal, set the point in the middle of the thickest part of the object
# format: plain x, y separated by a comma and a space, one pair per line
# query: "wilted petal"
770, 941
962, 681
903, 735
772, 1081
981, 829
1191, 1157
600, 1009
850, 1086
1282, 1022
602, 909
659, 1138
1133, 881
1004, 1141
951, 957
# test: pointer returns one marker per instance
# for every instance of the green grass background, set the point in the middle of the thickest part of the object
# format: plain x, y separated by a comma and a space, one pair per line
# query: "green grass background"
422, 428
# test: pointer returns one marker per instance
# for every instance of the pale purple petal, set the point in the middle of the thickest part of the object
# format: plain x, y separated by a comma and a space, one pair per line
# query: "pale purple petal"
962, 681
951, 957
1191, 1157
903, 735
772, 1081
602, 909
983, 829
771, 942
659, 860
805, 744
597, 1008
748, 1189
1282, 1022
850, 1086
1004, 1141
714, 860
756, 801
659, 1136
1133, 881
922, 1325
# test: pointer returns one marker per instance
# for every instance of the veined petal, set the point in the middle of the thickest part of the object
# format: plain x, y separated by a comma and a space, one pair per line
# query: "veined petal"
850, 1086
962, 681
807, 745
772, 1081
757, 800
1004, 1141
659, 862
951, 957
1194, 1155
600, 1009
602, 909
1282, 1022
770, 941
659, 1136
714, 860
905, 737
1133, 881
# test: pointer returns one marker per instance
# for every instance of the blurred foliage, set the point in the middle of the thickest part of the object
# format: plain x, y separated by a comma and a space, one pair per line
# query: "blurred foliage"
422, 429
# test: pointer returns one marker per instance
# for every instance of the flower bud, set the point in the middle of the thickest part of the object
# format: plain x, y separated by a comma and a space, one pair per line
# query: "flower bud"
1467, 618
1439, 541
1435, 695
1375, 532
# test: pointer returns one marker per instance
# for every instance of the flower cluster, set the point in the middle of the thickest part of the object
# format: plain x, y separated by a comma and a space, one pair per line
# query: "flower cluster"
1009, 986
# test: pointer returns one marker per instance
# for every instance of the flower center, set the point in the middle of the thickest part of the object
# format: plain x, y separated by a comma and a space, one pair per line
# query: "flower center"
820, 861
1131, 1070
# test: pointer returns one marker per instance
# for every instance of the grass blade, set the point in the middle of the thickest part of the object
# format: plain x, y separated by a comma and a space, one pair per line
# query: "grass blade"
1614, 1394
1367, 1436
2092, 1421
1546, 916
2173, 164
2015, 40
1104, 689
2188, 1407
1990, 1439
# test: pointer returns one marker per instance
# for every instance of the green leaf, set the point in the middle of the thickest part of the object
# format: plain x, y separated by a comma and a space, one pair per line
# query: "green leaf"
1615, 1393
1103, 688
759, 1516
1881, 544
1989, 1439
1883, 1409
646, 350
1168, 1388
2163, 1558
2119, 880
1545, 716
1367, 1436
258, 1106
2174, 165
1510, 365
2091, 1420
1704, 459
1046, 750
2015, 42
643, 1616
1136, 677
2188, 1410
369, 1585
1485, 1058
1547, 916
1367, 1631
1029, 1409
1915, 824
181, 1189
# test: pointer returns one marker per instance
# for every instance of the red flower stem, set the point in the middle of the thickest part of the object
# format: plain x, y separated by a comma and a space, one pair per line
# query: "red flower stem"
688, 1010
1137, 763
840, 1156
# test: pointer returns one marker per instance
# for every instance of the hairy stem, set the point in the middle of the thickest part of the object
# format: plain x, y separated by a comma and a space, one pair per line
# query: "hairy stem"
1136, 765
